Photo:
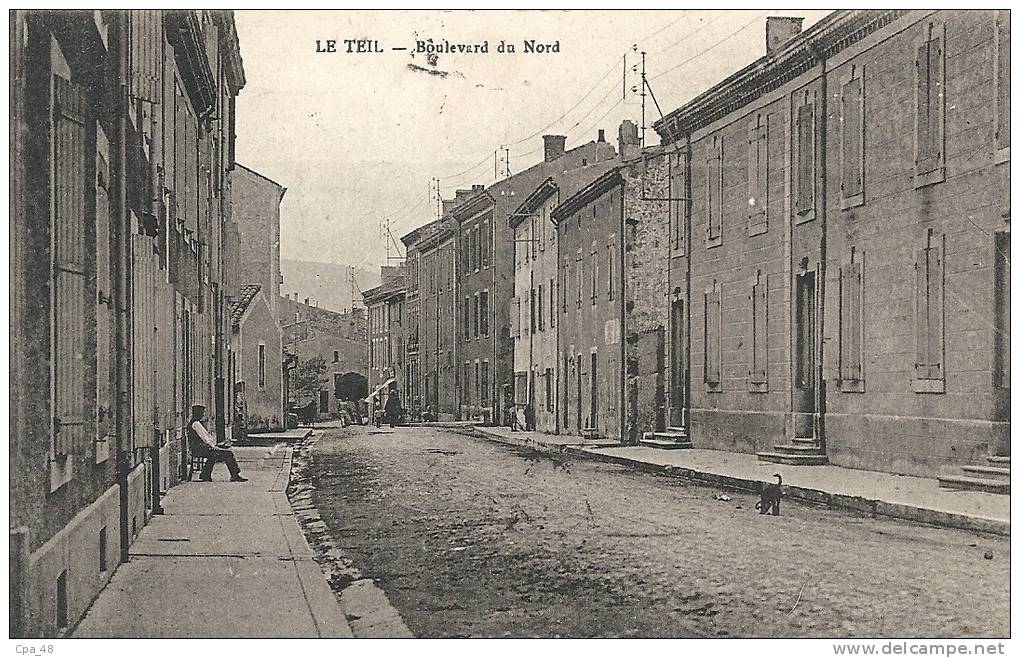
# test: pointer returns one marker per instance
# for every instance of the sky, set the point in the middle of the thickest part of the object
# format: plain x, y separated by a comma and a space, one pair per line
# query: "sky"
357, 138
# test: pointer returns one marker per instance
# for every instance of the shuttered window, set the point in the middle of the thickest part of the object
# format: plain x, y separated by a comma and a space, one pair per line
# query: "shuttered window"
851, 324
483, 383
594, 273
713, 336
930, 124
804, 187
541, 309
610, 271
484, 312
757, 175
262, 365
466, 384
579, 279
531, 310
467, 317
104, 295
1002, 85
677, 204
759, 334
486, 243
929, 321
515, 318
851, 155
478, 319
713, 191
68, 231
552, 303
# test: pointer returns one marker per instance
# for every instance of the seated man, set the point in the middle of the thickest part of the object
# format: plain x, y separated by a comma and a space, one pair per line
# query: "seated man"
203, 445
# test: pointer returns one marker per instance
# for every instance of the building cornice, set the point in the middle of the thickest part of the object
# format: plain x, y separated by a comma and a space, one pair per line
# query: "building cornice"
185, 35
803, 52
472, 206
587, 194
538, 196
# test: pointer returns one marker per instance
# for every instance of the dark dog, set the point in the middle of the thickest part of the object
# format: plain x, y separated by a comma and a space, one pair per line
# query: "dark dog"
771, 494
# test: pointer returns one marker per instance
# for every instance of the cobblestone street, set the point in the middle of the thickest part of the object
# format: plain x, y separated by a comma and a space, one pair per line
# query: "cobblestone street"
468, 538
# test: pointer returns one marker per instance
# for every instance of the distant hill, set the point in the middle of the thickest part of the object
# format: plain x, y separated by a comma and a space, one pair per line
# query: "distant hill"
326, 283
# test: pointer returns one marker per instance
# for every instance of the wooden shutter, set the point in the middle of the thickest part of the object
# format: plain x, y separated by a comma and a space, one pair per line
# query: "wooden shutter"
929, 64
851, 322
929, 318
715, 183
104, 294
757, 176
759, 315
678, 208
552, 302
467, 317
805, 158
712, 337
851, 142
515, 317
594, 272
146, 34
68, 265
486, 243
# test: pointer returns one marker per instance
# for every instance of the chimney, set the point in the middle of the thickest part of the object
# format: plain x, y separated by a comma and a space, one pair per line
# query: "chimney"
306, 301
555, 146
448, 205
475, 189
779, 30
462, 195
630, 141
602, 136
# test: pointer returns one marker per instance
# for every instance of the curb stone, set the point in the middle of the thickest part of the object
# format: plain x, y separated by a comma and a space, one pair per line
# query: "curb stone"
842, 502
364, 604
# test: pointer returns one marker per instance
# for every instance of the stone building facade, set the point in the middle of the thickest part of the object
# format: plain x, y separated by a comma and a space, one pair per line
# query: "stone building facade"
256, 360
119, 200
842, 267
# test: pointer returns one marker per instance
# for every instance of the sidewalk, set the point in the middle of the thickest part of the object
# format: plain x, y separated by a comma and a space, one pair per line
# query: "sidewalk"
871, 492
226, 559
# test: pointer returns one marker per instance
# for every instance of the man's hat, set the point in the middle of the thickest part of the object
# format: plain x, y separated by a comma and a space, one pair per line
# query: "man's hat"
197, 410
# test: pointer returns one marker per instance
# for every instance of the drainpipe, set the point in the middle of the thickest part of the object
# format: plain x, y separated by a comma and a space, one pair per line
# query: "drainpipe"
689, 250
819, 420
123, 278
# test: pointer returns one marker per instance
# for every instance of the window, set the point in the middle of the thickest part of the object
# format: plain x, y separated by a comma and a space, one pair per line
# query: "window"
678, 205
483, 382
478, 247
1001, 85
804, 154
486, 243
69, 274
478, 381
336, 356
541, 309
549, 389
594, 273
611, 270
262, 365
520, 388
565, 292
758, 375
102, 549
531, 310
515, 320
478, 322
929, 131
851, 142
757, 175
484, 312
466, 391
851, 324
713, 337
552, 303
467, 317
713, 191
534, 236
579, 276
928, 370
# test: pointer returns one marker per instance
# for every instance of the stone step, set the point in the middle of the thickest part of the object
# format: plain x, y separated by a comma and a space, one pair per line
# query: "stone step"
798, 448
973, 484
677, 429
988, 472
805, 440
654, 441
999, 460
793, 459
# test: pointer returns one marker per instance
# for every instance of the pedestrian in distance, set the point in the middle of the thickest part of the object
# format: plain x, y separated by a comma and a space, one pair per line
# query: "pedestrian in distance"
512, 413
529, 418
202, 444
393, 408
